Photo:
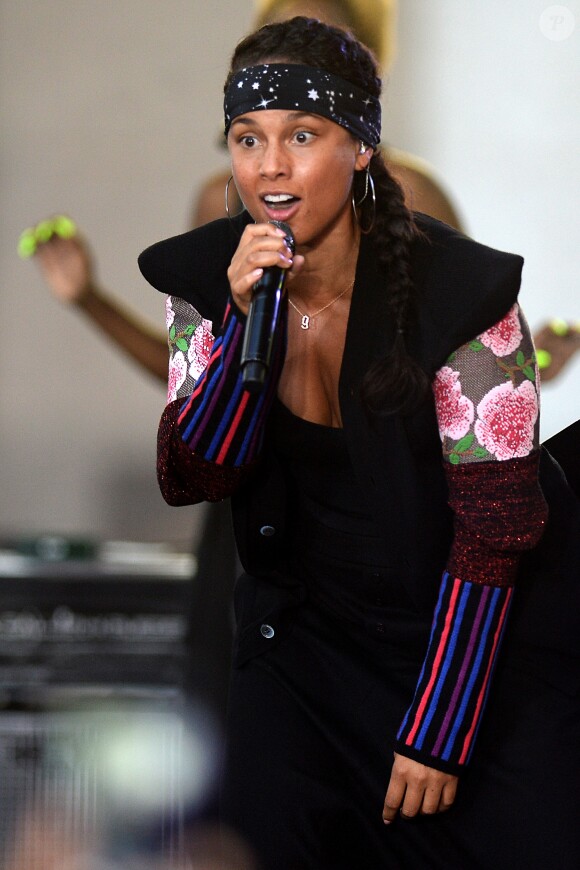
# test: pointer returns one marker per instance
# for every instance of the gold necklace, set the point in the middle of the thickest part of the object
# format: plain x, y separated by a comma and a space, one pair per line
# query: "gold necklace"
307, 318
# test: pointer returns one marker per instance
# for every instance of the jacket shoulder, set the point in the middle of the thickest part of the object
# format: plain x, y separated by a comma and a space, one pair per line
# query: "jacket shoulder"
446, 246
463, 287
194, 265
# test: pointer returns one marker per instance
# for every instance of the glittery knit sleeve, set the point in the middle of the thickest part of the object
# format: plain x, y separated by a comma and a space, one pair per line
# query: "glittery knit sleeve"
211, 431
487, 409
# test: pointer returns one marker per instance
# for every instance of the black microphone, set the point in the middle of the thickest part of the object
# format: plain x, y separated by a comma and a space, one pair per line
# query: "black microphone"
263, 317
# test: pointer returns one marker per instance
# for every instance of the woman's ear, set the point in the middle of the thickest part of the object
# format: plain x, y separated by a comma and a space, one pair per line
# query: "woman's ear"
363, 157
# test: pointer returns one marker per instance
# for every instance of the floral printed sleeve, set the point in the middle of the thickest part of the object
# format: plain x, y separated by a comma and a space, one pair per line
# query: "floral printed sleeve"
487, 396
487, 409
190, 342
211, 431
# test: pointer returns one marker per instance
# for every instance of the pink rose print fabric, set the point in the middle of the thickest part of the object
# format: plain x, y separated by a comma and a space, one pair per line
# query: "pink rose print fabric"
200, 349
454, 410
169, 312
486, 396
177, 375
506, 418
506, 336
190, 342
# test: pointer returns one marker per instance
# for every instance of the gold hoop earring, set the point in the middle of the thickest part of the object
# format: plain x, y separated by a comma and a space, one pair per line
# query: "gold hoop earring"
227, 195
369, 183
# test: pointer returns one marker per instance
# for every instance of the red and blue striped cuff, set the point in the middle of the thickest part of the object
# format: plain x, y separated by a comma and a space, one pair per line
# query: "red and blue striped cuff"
222, 421
440, 726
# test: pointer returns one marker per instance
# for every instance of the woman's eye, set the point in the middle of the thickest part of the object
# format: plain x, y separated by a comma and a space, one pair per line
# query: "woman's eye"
302, 137
248, 141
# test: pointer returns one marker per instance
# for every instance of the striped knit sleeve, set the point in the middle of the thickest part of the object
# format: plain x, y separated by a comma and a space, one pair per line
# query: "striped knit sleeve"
487, 410
211, 431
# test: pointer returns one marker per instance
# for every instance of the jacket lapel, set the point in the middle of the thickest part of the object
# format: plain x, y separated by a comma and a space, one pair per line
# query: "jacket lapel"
380, 450
370, 329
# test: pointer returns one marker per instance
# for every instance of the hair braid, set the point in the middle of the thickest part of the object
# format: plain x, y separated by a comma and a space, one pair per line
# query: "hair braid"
395, 382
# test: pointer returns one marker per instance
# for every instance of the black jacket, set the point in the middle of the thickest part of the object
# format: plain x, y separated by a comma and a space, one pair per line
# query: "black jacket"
463, 288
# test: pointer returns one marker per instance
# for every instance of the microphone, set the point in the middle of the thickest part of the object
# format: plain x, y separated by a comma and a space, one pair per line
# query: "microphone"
263, 317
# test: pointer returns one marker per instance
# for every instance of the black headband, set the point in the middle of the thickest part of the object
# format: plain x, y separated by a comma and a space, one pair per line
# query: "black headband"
308, 89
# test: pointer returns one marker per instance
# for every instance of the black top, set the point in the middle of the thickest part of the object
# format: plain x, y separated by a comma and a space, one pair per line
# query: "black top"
333, 542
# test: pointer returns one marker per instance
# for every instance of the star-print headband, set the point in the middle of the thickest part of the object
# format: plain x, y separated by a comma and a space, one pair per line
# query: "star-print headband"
307, 89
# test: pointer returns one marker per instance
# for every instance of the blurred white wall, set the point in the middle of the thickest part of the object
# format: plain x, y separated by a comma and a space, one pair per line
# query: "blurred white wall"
111, 113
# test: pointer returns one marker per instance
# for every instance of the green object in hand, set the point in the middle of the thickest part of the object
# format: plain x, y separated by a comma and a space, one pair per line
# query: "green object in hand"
44, 231
543, 358
64, 227
61, 226
559, 327
27, 244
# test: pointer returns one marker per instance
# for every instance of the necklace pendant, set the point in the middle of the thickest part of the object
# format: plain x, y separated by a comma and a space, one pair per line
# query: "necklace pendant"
305, 323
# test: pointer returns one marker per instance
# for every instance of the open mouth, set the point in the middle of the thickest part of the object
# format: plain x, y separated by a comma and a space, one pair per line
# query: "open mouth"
281, 201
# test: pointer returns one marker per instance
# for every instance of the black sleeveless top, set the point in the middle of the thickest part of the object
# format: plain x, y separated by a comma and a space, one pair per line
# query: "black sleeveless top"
333, 543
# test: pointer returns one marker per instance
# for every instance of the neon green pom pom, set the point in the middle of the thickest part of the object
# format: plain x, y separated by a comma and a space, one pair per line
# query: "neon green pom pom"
543, 358
43, 231
27, 244
559, 326
64, 227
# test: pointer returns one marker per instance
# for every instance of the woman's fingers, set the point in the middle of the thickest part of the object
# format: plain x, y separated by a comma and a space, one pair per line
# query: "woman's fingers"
297, 264
412, 802
431, 800
448, 795
416, 789
394, 797
262, 241
261, 246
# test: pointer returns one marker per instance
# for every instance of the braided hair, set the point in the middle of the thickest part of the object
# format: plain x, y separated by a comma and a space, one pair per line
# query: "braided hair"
394, 383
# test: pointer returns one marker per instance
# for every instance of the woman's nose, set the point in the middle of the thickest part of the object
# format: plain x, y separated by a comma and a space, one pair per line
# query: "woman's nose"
274, 161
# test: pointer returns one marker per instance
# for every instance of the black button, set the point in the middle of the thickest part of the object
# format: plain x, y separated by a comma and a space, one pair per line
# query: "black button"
267, 631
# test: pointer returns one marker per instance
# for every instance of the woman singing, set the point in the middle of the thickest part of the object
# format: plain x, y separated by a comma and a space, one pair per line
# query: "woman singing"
385, 486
